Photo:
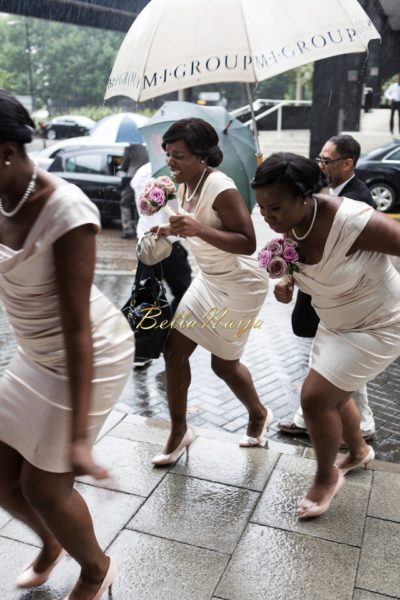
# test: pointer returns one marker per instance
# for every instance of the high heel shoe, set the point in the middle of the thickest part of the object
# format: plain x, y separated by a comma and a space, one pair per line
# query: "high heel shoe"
163, 460
107, 582
250, 442
369, 457
31, 578
306, 509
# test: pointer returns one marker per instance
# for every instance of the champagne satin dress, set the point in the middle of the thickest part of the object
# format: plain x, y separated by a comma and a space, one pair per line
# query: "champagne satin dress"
35, 403
231, 285
357, 299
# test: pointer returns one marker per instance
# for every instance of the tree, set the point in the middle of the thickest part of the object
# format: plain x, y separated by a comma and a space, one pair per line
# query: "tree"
70, 65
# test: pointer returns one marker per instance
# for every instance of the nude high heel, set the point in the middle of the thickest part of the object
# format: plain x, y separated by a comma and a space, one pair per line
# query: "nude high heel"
163, 460
250, 442
31, 578
107, 581
306, 509
369, 457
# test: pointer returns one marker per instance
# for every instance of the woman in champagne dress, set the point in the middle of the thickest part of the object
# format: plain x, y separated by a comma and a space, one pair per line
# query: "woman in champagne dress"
74, 354
227, 292
345, 267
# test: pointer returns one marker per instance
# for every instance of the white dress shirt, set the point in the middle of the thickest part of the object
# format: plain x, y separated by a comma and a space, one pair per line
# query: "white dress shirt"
337, 190
393, 92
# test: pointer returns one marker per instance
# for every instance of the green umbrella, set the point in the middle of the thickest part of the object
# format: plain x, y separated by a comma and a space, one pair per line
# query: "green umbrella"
235, 139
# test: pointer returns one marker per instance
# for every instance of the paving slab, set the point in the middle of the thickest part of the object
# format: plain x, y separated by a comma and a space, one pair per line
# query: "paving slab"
152, 568
141, 429
270, 564
99, 501
343, 522
4, 517
187, 510
385, 494
227, 463
14, 556
380, 558
130, 465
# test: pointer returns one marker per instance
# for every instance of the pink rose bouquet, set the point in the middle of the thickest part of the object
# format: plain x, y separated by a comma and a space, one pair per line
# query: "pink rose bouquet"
156, 194
279, 256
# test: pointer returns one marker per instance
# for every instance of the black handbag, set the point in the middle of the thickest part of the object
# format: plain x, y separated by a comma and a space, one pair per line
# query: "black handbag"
148, 312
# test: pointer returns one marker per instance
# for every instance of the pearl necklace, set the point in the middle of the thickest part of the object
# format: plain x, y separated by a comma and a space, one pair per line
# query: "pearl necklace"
192, 195
300, 238
28, 192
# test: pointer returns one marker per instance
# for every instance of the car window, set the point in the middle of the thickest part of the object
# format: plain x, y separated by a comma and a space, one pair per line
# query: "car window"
393, 156
86, 163
113, 163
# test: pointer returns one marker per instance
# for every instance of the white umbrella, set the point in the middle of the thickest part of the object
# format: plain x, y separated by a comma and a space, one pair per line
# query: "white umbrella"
120, 127
176, 44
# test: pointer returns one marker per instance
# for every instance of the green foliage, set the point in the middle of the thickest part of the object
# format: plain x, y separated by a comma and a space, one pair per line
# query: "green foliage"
70, 65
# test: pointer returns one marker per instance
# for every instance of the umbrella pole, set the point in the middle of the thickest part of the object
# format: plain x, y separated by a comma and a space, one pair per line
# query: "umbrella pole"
259, 155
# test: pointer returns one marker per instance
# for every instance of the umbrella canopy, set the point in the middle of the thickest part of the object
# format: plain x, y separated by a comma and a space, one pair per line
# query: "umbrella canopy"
236, 142
121, 127
176, 44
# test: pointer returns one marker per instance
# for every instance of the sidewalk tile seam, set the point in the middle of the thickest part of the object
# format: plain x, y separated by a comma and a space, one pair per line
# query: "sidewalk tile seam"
237, 487
13, 539
162, 537
305, 534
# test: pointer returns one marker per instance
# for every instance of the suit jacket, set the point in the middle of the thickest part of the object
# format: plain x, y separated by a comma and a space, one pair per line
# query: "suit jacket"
357, 190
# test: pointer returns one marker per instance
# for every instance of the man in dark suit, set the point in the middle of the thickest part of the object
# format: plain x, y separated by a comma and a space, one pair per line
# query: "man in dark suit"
337, 160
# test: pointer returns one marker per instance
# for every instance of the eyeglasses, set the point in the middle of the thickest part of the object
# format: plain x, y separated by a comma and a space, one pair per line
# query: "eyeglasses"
329, 161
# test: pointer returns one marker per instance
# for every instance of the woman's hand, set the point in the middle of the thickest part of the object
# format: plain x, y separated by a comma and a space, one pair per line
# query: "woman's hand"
184, 226
161, 230
284, 290
82, 462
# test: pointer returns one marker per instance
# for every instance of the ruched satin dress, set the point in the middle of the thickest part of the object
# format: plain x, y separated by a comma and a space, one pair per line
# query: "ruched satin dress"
35, 402
231, 285
357, 299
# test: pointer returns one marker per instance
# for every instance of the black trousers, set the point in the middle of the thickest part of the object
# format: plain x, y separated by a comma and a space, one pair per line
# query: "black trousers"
304, 318
394, 107
176, 272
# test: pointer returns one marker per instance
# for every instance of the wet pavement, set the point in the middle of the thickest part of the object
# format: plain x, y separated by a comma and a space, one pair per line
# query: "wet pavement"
276, 358
221, 524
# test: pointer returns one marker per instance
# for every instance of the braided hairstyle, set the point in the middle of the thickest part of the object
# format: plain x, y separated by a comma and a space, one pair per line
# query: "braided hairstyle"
200, 138
16, 124
302, 175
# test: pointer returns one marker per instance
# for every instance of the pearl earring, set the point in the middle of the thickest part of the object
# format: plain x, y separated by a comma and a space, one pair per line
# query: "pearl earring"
7, 163
202, 161
305, 202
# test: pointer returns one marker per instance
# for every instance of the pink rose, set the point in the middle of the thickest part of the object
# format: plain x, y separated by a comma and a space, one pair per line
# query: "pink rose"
166, 184
264, 258
156, 195
277, 267
145, 207
148, 187
290, 254
275, 247
289, 242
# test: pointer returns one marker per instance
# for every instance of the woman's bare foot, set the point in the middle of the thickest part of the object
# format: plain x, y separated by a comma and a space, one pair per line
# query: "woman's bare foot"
175, 438
320, 495
46, 556
256, 422
88, 584
354, 460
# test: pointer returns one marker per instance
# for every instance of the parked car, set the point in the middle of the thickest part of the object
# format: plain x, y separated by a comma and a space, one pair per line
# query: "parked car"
44, 158
380, 169
67, 126
94, 170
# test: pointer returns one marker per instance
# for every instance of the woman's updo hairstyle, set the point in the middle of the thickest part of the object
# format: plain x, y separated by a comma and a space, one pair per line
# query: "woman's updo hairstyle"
200, 138
302, 175
16, 124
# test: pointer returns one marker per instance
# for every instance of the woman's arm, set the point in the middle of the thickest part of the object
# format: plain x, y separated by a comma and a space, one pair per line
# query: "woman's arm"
74, 257
237, 237
381, 234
